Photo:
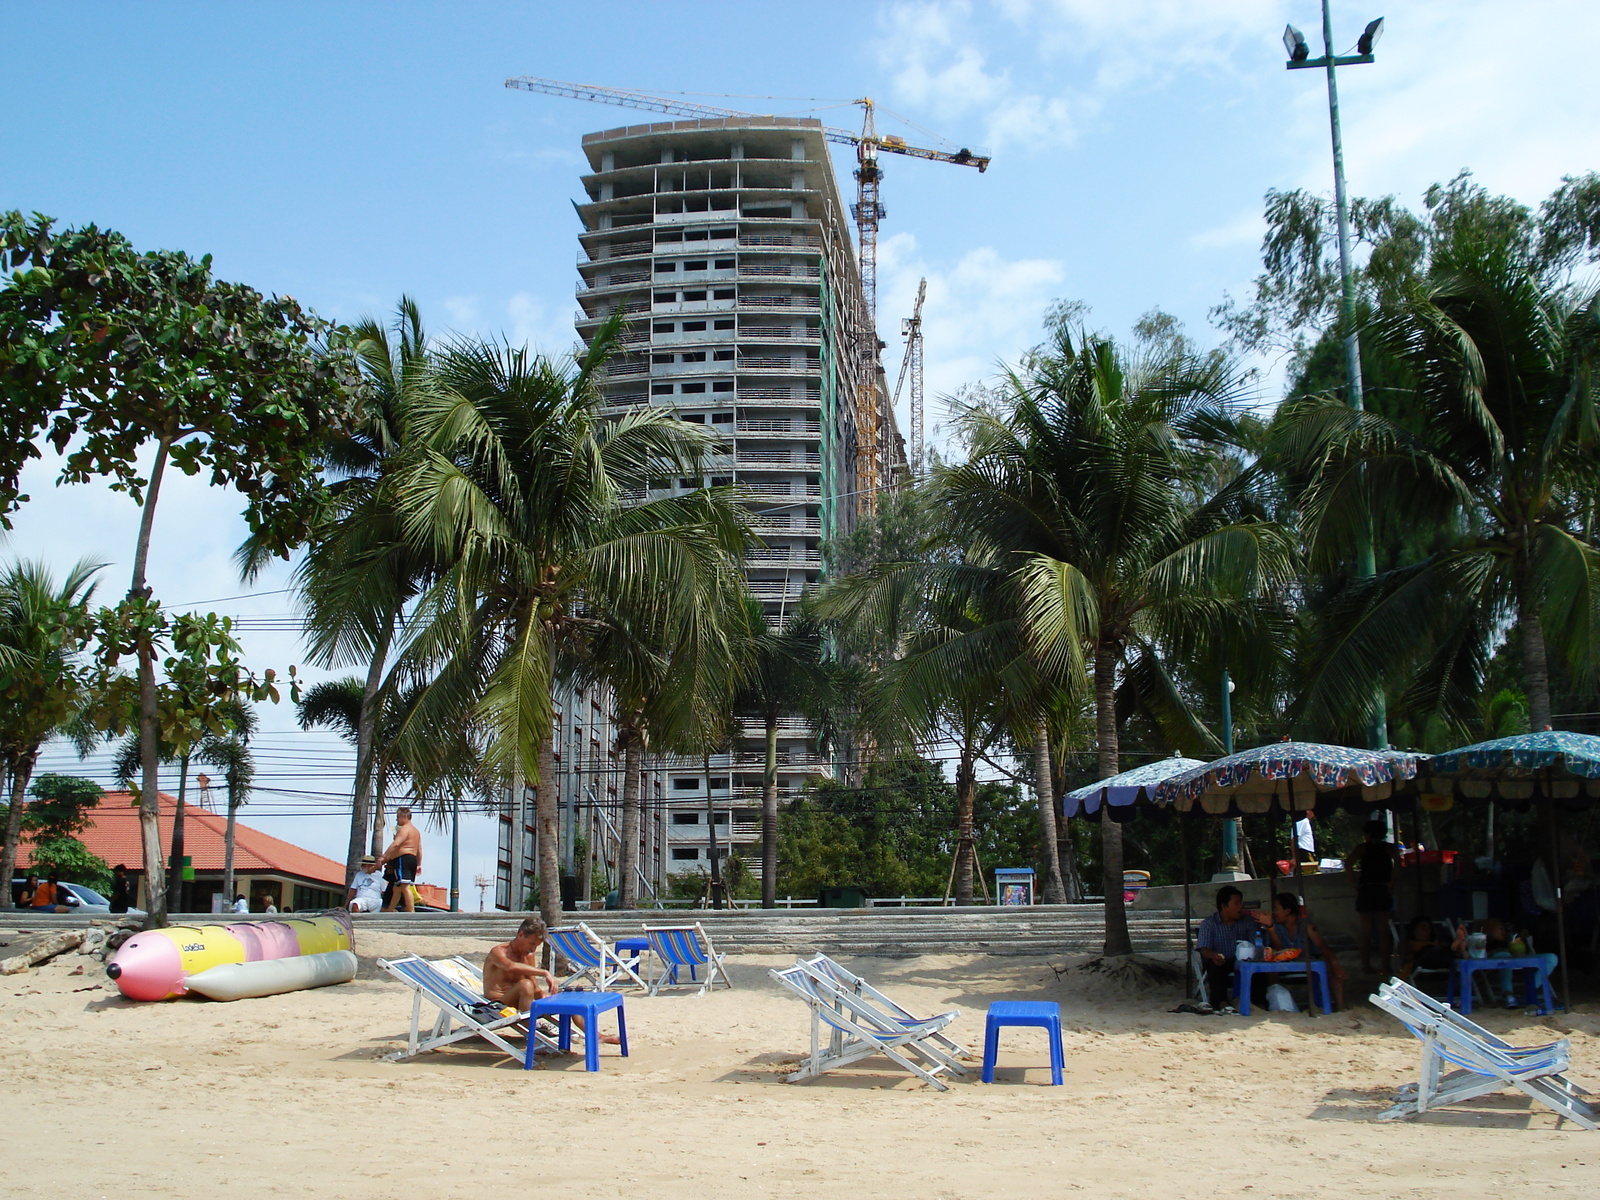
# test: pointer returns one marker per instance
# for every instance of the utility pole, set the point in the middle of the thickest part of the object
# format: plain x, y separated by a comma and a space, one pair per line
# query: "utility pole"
1300, 59
1232, 863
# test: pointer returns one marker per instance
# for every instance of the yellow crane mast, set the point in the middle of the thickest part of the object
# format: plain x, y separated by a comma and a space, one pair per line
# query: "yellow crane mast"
911, 367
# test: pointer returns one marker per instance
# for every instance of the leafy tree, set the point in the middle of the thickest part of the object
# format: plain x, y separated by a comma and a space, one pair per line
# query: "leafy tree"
111, 351
59, 812
518, 489
43, 627
1494, 456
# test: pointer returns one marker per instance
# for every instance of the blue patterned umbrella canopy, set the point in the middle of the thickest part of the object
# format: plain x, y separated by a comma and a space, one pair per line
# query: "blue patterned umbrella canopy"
1553, 765
1126, 789
1255, 781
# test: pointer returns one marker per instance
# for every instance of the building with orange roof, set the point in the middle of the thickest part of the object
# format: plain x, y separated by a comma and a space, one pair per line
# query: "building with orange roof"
265, 868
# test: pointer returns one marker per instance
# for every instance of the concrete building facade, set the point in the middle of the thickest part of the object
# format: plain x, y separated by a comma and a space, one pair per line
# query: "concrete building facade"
726, 248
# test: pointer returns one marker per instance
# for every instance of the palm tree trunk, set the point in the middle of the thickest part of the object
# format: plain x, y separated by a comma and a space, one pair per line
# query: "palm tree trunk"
1053, 891
366, 735
1105, 714
1067, 855
769, 819
155, 883
1535, 664
379, 817
19, 774
966, 846
547, 810
632, 738
175, 880
8, 852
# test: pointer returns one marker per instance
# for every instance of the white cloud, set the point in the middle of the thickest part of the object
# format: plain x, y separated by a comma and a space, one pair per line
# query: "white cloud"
463, 311
982, 310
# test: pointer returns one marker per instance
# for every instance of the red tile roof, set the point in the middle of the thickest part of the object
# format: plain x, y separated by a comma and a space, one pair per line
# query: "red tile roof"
113, 834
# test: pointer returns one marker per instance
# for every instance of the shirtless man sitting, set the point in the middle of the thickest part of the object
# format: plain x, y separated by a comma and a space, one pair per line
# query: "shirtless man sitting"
509, 974
511, 978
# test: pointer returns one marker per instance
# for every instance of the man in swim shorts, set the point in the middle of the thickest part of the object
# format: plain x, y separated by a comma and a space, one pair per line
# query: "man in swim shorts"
405, 852
366, 888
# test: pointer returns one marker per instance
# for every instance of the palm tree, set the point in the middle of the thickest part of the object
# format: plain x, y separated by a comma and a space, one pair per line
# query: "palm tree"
1493, 460
520, 489
41, 629
1099, 477
787, 674
359, 571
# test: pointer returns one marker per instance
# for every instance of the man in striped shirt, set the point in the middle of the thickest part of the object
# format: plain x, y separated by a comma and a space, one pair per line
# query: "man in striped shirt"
1217, 940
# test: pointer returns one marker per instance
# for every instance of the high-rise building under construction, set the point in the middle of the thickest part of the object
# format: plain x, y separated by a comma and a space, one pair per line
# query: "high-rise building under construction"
725, 244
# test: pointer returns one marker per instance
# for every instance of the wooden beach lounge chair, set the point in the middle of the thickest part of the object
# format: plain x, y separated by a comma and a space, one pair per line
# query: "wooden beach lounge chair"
593, 960
455, 988
684, 948
859, 1028
1482, 1062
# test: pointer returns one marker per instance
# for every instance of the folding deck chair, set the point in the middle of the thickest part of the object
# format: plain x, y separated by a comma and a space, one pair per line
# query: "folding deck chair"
595, 961
684, 947
850, 982
860, 1026
455, 987
1484, 1063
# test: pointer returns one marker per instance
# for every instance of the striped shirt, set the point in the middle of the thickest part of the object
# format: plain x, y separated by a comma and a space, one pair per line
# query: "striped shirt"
1219, 935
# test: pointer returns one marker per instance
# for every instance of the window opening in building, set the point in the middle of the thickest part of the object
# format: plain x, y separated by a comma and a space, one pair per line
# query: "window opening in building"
690, 296
696, 418
661, 358
725, 385
695, 235
695, 264
663, 327
692, 818
663, 268
721, 356
687, 485
661, 389
685, 853
669, 236
694, 326
722, 418
725, 264
693, 356
666, 297
722, 481
690, 389
723, 294
723, 233
724, 323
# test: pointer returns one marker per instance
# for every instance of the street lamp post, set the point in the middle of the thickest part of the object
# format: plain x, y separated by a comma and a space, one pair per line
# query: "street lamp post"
1300, 59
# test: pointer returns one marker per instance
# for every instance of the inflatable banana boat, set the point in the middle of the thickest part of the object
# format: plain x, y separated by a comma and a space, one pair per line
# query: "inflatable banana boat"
159, 964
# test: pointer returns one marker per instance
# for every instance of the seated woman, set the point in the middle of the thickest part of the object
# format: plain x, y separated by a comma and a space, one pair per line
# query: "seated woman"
1290, 930
1500, 942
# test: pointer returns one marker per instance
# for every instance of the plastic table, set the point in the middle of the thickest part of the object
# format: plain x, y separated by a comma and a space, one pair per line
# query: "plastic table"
589, 1006
1460, 996
1046, 1014
638, 947
1247, 970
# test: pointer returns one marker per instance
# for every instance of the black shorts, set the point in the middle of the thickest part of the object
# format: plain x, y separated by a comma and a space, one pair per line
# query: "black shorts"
1374, 898
405, 868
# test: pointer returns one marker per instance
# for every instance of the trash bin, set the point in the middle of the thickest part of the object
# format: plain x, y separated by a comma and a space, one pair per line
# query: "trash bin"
841, 897
1013, 886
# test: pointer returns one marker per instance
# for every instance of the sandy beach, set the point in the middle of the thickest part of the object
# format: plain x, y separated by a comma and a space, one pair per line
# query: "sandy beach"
287, 1096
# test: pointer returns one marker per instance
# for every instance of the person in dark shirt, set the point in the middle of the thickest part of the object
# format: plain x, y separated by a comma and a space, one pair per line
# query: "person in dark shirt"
1375, 862
1217, 939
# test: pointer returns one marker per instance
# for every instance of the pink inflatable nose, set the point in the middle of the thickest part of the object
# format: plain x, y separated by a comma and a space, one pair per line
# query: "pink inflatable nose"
148, 967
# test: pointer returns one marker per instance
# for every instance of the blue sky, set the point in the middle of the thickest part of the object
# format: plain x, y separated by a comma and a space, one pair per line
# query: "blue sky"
348, 153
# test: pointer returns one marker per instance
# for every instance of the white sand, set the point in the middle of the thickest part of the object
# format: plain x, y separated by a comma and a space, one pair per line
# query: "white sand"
100, 1097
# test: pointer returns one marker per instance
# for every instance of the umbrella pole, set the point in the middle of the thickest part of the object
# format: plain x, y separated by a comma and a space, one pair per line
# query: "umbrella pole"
1561, 919
1191, 982
1305, 922
1416, 849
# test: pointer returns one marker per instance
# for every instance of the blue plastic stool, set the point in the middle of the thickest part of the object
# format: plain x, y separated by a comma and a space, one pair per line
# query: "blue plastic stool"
1046, 1014
589, 1006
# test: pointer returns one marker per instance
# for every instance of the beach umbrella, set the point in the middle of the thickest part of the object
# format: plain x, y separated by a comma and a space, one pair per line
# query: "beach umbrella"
1290, 777
1554, 768
1120, 794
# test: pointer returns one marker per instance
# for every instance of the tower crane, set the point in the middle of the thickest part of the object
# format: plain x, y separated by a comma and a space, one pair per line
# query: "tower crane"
911, 365
868, 211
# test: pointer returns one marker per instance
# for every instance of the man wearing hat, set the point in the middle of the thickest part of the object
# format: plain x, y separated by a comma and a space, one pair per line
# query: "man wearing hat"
366, 889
